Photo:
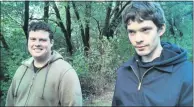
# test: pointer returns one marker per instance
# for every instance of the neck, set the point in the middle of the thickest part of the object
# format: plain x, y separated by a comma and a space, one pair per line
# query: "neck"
40, 62
156, 53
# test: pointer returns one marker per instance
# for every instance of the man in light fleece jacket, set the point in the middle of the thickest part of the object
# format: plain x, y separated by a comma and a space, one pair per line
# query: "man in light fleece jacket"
45, 79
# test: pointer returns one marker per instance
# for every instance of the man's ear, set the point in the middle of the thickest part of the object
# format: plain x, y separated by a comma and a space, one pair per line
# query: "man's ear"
162, 30
52, 43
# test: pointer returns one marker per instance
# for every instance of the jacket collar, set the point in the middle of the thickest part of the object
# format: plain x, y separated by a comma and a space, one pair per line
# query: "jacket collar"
168, 69
132, 63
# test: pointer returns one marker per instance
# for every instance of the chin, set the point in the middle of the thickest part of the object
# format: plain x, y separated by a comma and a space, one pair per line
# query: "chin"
37, 55
143, 53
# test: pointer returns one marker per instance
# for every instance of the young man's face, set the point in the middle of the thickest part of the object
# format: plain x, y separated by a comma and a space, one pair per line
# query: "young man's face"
39, 44
144, 36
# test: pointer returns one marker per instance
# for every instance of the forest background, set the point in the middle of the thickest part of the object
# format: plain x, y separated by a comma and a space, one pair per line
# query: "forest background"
89, 35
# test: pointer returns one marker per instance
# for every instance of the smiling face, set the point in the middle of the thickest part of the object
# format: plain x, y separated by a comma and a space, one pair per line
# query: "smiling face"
39, 44
145, 37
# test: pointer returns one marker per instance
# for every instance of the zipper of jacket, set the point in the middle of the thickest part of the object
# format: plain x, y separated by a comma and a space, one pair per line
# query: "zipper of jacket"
139, 87
140, 81
30, 88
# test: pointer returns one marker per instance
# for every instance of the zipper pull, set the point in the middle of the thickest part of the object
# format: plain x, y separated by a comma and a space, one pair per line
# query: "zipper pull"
33, 79
139, 86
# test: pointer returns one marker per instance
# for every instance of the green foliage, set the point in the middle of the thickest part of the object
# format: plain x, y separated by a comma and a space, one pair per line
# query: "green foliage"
97, 70
11, 61
181, 14
12, 58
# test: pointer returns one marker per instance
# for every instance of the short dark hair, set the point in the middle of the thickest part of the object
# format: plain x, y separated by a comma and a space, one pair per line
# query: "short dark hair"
40, 25
144, 10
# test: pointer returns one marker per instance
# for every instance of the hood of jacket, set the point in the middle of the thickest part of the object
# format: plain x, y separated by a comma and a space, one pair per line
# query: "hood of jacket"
170, 55
55, 56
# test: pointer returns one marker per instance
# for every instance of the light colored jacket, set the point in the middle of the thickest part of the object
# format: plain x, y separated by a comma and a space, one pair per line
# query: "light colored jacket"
55, 84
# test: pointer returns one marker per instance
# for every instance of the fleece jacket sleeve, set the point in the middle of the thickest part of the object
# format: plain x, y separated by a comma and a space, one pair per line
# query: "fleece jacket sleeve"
70, 90
10, 95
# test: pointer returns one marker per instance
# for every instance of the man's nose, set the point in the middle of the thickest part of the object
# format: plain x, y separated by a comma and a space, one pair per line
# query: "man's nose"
37, 42
138, 38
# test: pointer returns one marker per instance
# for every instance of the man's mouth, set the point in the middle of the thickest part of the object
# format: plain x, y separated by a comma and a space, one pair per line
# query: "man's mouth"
141, 47
37, 49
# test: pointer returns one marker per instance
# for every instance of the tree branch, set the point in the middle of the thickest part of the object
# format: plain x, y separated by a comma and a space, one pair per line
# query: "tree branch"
3, 41
14, 20
46, 11
98, 25
26, 18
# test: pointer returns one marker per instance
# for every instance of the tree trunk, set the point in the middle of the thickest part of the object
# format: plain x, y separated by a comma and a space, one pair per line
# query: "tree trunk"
87, 28
68, 20
2, 39
109, 28
26, 17
84, 34
46, 11
63, 29
105, 31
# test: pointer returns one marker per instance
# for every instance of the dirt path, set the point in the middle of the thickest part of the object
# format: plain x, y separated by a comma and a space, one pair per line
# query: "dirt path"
105, 99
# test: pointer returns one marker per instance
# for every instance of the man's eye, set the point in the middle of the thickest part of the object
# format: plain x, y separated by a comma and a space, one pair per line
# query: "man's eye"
43, 40
32, 39
131, 32
144, 30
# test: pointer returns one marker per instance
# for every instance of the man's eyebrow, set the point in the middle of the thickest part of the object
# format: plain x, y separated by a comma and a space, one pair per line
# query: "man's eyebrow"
140, 29
43, 39
130, 30
31, 37
146, 27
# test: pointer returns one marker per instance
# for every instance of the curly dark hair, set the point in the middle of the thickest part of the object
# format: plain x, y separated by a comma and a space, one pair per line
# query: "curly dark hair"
144, 10
40, 25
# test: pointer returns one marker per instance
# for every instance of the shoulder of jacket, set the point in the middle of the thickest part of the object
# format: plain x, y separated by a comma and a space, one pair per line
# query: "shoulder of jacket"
186, 66
20, 70
186, 71
63, 65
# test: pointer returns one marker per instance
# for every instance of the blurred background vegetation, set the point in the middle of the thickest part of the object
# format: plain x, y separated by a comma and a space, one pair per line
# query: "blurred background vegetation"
89, 35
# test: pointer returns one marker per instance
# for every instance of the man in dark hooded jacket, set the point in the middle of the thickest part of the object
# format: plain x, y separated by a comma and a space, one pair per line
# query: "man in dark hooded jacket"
159, 74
